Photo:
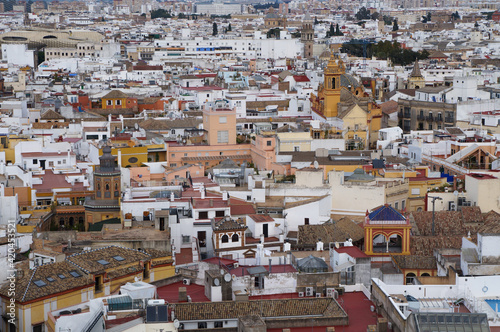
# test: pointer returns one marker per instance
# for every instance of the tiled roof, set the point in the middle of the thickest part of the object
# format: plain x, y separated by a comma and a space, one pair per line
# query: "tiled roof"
415, 262
115, 94
51, 115
261, 217
227, 224
88, 260
326, 307
338, 231
34, 283
448, 223
425, 245
386, 212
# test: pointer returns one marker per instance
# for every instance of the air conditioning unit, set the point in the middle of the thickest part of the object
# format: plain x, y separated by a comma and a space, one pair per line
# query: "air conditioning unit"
318, 294
329, 292
236, 265
453, 206
186, 281
301, 294
156, 302
309, 291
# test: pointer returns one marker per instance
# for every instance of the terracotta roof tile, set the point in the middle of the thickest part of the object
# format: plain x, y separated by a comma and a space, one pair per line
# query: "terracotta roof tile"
326, 307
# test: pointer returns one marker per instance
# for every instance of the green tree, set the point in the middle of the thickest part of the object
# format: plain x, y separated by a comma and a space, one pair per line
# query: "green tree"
181, 16
316, 20
331, 31
337, 31
395, 27
160, 13
273, 33
363, 14
229, 27
214, 29
387, 20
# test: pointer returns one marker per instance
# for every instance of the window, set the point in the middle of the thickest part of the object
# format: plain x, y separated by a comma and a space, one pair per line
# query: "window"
109, 102
202, 325
222, 119
259, 282
222, 136
396, 205
224, 238
296, 148
219, 213
35, 161
218, 324
235, 238
203, 215
269, 143
118, 102
306, 221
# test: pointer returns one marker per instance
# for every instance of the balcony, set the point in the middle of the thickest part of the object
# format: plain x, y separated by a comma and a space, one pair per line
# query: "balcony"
449, 120
439, 119
420, 117
429, 118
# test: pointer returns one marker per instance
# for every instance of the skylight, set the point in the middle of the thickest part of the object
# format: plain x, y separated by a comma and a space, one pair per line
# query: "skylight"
119, 258
51, 279
39, 283
103, 262
75, 274
61, 276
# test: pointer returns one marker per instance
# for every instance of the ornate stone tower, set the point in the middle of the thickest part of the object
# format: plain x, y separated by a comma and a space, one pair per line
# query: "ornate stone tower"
307, 36
416, 80
331, 85
107, 189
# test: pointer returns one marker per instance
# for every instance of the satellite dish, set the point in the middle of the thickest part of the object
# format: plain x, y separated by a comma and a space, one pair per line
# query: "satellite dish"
216, 282
233, 277
176, 323
136, 125
227, 277
316, 164
222, 271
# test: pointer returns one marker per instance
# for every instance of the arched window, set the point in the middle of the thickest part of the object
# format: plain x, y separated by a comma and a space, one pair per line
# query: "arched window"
71, 221
409, 278
426, 274
107, 186
98, 186
333, 83
225, 238
235, 238
116, 185
61, 222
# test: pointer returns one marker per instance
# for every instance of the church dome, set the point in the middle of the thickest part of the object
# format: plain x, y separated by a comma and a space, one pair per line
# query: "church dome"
347, 81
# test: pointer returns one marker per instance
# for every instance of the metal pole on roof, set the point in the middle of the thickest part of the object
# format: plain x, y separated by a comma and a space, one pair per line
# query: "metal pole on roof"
433, 211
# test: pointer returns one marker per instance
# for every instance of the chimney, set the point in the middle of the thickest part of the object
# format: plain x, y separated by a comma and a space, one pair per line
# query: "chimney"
287, 247
172, 196
202, 193
211, 202
260, 249
319, 245
224, 196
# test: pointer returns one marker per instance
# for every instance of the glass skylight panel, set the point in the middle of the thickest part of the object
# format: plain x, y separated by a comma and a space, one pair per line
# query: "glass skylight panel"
103, 262
39, 283
119, 258
51, 279
75, 274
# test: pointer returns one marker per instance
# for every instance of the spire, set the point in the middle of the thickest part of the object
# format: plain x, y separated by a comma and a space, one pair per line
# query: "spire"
416, 70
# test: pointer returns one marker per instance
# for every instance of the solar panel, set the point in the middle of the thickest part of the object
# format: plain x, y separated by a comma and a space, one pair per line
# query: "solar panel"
103, 262
51, 279
39, 283
162, 313
151, 314
75, 274
119, 258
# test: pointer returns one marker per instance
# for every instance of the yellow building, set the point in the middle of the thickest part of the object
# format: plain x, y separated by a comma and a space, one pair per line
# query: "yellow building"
114, 99
294, 141
338, 96
8, 144
81, 277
